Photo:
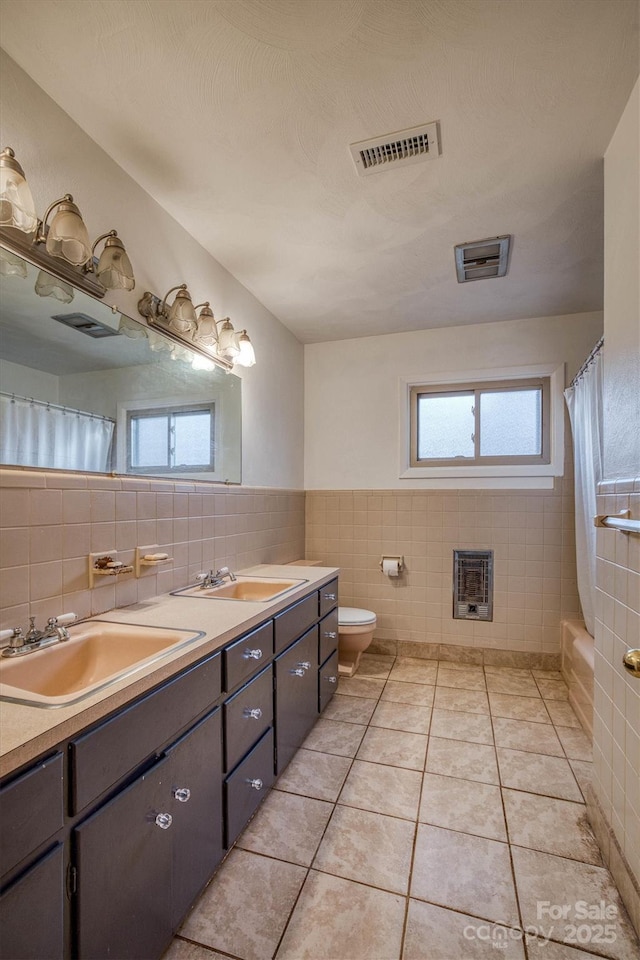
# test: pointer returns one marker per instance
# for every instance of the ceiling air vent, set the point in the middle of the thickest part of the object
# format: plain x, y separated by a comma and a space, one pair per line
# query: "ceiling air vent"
482, 259
396, 149
85, 324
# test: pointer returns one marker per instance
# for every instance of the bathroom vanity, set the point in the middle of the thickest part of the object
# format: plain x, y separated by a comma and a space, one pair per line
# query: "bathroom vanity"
112, 829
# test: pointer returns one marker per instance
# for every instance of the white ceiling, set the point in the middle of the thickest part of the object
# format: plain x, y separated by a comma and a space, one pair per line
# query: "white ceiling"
237, 115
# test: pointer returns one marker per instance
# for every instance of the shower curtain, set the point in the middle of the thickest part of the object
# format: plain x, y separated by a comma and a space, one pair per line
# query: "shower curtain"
584, 400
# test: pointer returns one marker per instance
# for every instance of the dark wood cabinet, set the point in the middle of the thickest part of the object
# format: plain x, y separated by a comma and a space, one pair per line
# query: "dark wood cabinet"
247, 786
296, 672
32, 912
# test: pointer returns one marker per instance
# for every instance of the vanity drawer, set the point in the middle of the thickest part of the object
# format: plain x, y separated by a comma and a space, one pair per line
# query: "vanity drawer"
247, 655
101, 757
293, 622
31, 811
328, 641
327, 681
328, 597
247, 715
247, 786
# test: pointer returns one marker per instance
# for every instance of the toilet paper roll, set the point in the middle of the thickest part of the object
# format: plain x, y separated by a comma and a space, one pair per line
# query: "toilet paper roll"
391, 568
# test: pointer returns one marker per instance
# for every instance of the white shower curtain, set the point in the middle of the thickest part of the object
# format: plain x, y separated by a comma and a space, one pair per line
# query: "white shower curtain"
33, 434
584, 400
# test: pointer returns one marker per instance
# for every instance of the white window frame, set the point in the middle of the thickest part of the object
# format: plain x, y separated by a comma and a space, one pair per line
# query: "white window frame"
168, 411
503, 475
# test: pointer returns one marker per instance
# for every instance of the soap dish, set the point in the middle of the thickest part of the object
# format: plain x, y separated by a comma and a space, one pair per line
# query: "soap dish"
106, 564
150, 556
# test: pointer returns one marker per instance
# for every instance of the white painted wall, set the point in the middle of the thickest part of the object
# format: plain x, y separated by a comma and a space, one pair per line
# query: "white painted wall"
622, 296
58, 157
27, 382
352, 388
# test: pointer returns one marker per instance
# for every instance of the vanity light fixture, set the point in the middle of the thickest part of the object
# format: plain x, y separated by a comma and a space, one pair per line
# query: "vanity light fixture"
247, 355
67, 237
113, 270
48, 286
17, 208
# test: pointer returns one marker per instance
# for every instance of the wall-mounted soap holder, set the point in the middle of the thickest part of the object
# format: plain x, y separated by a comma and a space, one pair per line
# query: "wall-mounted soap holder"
106, 564
150, 556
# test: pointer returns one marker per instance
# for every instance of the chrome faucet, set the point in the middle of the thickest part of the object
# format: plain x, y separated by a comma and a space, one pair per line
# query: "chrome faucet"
216, 579
54, 632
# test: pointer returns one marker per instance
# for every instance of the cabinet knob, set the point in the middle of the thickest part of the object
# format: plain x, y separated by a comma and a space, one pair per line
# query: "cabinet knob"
252, 655
252, 714
182, 794
330, 596
164, 820
298, 672
332, 679
256, 783
330, 634
305, 664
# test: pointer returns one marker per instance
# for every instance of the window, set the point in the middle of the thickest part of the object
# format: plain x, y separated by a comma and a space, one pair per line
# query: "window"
480, 424
166, 439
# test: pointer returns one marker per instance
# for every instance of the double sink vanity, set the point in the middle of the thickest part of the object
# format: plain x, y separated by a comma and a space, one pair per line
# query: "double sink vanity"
131, 767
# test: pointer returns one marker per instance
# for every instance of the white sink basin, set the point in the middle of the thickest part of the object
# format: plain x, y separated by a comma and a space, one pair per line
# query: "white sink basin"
97, 654
260, 589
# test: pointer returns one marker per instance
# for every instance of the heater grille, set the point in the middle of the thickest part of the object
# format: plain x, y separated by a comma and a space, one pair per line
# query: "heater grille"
83, 323
482, 259
395, 149
473, 584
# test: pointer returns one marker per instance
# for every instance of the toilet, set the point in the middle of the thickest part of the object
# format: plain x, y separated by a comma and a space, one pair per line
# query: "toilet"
355, 633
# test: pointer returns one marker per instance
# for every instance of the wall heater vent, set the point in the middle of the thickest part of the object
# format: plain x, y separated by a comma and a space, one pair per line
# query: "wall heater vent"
396, 149
482, 259
473, 584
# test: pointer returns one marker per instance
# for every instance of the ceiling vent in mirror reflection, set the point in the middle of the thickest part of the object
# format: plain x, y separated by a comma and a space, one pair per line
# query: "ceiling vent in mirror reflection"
85, 324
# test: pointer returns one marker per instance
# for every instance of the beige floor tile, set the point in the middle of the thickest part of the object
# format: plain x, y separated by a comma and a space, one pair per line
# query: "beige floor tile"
368, 848
374, 666
335, 736
515, 685
288, 827
382, 789
464, 805
245, 908
508, 671
394, 747
536, 773
414, 670
183, 950
439, 934
315, 774
550, 825
518, 708
400, 692
525, 735
466, 873
336, 918
548, 950
469, 761
360, 687
575, 743
452, 725
583, 772
469, 678
553, 689
542, 877
349, 709
562, 714
467, 701
402, 716
547, 674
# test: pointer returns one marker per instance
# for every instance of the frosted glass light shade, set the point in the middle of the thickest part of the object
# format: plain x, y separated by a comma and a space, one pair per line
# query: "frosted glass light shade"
114, 270
68, 238
11, 265
17, 208
247, 356
182, 314
228, 349
48, 286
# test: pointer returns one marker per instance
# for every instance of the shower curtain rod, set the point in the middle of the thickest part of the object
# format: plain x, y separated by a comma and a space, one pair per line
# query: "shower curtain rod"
594, 353
55, 406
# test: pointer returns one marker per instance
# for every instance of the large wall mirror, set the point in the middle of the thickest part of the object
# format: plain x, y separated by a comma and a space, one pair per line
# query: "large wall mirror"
84, 388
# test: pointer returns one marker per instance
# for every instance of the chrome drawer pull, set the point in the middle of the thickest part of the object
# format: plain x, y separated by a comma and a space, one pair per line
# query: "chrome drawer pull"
182, 794
252, 714
330, 596
305, 665
256, 783
164, 820
252, 655
332, 679
298, 672
331, 634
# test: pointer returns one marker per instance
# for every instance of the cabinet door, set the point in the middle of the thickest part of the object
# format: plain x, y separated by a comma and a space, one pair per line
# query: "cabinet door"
32, 912
195, 803
327, 680
296, 696
123, 858
246, 717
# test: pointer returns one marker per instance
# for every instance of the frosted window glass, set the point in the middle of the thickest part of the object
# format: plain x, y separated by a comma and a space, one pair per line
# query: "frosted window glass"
445, 426
192, 439
511, 423
149, 447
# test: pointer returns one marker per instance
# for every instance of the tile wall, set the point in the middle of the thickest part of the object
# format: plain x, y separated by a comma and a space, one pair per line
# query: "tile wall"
531, 532
50, 522
616, 733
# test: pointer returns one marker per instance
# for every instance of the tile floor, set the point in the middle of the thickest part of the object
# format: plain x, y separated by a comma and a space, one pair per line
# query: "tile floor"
433, 813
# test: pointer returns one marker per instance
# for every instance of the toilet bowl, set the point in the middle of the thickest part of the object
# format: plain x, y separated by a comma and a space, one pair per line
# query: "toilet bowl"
355, 633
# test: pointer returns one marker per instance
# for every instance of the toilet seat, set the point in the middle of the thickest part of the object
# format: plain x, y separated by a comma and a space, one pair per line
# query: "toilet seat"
355, 617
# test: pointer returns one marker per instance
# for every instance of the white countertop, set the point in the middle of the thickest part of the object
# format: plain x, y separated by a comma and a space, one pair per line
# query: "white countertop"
26, 732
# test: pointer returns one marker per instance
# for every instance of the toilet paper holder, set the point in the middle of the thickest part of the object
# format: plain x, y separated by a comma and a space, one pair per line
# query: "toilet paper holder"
396, 559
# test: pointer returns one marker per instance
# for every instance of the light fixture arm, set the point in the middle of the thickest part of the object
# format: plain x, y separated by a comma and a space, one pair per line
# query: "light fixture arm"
162, 309
103, 236
41, 230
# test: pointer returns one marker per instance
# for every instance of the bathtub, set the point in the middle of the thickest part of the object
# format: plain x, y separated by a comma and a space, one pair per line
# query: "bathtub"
577, 669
